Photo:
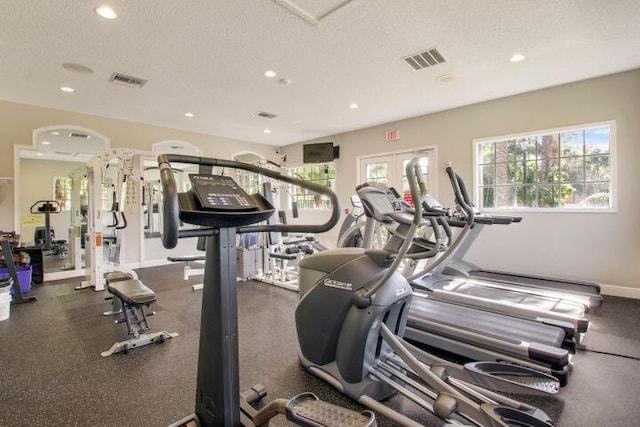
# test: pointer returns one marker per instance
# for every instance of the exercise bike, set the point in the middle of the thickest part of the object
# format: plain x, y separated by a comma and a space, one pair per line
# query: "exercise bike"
223, 210
350, 322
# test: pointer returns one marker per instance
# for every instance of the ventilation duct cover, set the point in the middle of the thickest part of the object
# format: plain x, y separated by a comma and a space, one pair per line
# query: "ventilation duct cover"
127, 80
425, 59
266, 115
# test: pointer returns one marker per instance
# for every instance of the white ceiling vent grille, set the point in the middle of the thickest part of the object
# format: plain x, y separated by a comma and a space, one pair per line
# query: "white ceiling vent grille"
426, 59
266, 115
127, 80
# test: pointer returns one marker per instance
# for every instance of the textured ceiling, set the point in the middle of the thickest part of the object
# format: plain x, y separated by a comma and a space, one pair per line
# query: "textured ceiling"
208, 57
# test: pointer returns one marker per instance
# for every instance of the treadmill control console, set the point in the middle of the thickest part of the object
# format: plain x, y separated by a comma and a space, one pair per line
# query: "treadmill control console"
221, 193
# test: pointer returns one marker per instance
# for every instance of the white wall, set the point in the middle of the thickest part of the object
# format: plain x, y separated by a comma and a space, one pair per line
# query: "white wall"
603, 247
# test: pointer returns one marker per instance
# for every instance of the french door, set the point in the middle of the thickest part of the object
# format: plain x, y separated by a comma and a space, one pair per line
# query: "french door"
389, 169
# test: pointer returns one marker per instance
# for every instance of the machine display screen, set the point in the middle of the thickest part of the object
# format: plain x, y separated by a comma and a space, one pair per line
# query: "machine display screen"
221, 193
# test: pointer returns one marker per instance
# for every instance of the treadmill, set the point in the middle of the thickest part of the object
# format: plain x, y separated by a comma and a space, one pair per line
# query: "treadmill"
453, 263
472, 332
552, 309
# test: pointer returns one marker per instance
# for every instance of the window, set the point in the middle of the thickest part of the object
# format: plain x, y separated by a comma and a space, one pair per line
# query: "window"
62, 192
323, 174
558, 169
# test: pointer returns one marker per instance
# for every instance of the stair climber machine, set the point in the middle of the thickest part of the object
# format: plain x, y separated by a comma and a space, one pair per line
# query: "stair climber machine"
223, 210
461, 321
350, 322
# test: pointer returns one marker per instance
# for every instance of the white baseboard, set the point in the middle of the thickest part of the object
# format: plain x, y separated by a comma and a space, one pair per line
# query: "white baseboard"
61, 275
620, 291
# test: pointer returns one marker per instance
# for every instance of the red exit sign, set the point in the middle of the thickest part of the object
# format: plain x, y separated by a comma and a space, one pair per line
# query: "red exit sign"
392, 135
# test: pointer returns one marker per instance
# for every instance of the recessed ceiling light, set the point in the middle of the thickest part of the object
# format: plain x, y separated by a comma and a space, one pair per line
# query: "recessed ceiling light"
190, 115
106, 12
55, 133
45, 143
77, 68
270, 73
354, 106
67, 89
267, 131
517, 57
39, 154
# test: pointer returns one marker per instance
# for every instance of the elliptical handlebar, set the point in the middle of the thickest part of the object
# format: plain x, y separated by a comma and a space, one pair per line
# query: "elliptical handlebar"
45, 203
418, 189
171, 212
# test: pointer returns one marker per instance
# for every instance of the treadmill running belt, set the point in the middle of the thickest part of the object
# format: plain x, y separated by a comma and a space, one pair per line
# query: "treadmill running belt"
490, 324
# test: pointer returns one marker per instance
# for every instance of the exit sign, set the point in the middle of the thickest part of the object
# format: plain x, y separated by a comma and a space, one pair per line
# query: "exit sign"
392, 135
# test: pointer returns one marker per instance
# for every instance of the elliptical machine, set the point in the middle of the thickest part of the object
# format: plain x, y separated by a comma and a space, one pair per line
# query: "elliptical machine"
350, 322
45, 236
223, 209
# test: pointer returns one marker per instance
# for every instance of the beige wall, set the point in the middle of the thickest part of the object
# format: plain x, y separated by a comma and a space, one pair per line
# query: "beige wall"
604, 247
17, 121
600, 247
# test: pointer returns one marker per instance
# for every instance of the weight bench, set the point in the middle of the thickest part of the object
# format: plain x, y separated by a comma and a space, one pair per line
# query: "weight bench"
116, 276
134, 298
188, 269
279, 265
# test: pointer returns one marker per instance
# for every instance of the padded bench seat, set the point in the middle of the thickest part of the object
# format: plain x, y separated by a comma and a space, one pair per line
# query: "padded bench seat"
117, 276
132, 292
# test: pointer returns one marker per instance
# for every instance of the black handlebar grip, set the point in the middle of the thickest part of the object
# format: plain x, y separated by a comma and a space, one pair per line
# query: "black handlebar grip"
170, 213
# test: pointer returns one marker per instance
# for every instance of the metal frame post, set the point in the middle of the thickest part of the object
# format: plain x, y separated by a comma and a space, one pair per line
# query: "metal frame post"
218, 382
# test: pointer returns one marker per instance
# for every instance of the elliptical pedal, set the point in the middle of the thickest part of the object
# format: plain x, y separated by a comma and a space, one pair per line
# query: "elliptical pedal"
307, 410
515, 374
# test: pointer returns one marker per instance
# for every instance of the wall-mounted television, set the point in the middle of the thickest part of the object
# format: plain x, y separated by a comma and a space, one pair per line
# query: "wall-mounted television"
319, 153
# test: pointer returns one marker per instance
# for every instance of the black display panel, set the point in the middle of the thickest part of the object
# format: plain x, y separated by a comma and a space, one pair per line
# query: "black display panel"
318, 153
221, 193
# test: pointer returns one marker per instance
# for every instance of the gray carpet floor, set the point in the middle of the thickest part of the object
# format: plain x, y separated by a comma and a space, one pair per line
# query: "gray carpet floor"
53, 375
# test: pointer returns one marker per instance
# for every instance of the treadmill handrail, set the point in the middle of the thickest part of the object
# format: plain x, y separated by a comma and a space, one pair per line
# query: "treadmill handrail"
464, 201
459, 195
170, 209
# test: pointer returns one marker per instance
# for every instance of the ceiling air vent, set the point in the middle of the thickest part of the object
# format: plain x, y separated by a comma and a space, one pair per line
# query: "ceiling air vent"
127, 80
266, 115
64, 153
79, 135
426, 59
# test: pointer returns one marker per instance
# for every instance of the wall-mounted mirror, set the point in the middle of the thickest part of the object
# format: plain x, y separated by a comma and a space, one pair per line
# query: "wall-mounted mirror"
51, 196
153, 251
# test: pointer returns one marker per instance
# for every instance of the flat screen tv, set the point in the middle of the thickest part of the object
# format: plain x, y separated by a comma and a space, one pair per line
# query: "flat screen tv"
318, 153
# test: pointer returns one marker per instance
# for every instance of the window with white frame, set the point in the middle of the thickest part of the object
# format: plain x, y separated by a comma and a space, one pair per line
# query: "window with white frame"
62, 191
568, 168
323, 174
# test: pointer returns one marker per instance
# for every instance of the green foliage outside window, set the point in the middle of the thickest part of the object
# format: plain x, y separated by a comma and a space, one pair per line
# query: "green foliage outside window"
559, 169
323, 174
